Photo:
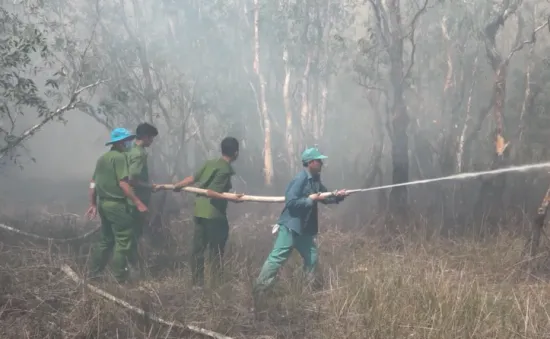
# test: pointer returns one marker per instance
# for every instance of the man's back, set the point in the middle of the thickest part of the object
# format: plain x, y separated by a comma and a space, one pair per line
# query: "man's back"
137, 166
215, 175
110, 169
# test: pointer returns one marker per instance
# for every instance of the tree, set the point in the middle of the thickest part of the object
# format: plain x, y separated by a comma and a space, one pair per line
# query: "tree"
392, 34
20, 45
491, 193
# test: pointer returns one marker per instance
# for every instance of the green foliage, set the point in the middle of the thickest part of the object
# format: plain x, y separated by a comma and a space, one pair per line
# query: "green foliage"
18, 43
23, 48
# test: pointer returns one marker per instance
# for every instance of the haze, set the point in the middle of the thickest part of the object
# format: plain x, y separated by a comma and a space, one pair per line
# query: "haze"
196, 71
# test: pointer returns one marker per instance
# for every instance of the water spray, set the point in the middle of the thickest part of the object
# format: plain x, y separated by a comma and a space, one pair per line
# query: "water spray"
460, 176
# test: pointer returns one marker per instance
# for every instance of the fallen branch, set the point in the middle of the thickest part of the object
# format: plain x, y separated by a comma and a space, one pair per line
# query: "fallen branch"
72, 274
35, 236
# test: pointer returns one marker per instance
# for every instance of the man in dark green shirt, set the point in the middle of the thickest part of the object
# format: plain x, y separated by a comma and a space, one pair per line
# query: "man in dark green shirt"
110, 195
139, 171
211, 225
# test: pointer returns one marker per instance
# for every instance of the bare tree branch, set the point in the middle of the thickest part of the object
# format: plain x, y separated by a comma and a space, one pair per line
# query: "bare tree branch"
411, 39
382, 21
491, 29
531, 40
57, 113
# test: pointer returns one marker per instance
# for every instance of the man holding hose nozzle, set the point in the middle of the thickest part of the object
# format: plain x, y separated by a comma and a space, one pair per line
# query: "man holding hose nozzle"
298, 224
110, 193
211, 225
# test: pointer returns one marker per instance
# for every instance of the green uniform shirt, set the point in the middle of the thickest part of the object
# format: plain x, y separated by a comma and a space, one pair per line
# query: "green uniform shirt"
216, 176
110, 169
137, 166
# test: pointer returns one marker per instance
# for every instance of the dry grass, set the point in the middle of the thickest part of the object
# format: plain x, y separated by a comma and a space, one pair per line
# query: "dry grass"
436, 289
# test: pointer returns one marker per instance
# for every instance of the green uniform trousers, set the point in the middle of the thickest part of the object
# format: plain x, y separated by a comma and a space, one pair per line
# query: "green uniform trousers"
211, 233
141, 220
119, 228
286, 241
140, 223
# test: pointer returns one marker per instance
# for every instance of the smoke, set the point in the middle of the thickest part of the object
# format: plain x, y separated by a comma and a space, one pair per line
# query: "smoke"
65, 151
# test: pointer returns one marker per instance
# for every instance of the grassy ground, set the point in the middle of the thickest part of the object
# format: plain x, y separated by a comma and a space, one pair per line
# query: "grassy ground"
425, 289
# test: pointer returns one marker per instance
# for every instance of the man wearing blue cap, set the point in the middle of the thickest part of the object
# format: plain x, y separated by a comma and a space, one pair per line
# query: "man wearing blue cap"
110, 194
298, 223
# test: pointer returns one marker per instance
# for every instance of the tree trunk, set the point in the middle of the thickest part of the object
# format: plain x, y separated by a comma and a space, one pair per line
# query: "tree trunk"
267, 152
304, 111
289, 115
449, 76
467, 119
490, 199
525, 109
325, 69
400, 158
400, 118
323, 106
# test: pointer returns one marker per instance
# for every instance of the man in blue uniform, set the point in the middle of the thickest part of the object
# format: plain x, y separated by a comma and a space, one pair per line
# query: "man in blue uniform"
298, 223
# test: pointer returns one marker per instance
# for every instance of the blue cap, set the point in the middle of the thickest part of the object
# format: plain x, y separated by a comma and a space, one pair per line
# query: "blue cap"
311, 154
119, 134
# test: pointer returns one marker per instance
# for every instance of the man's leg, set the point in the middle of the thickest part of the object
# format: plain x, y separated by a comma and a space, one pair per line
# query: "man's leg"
217, 231
140, 220
104, 248
306, 246
197, 252
139, 224
279, 255
125, 251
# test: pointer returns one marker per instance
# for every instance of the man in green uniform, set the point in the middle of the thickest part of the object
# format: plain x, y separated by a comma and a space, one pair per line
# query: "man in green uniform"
139, 171
211, 225
110, 193
139, 178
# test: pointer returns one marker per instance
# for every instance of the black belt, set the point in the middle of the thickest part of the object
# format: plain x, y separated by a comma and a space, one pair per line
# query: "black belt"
112, 199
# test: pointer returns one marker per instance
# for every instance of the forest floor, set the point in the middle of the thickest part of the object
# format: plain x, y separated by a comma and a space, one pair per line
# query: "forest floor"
424, 289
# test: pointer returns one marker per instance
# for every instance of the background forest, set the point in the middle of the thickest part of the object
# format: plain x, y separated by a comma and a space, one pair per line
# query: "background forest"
391, 91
